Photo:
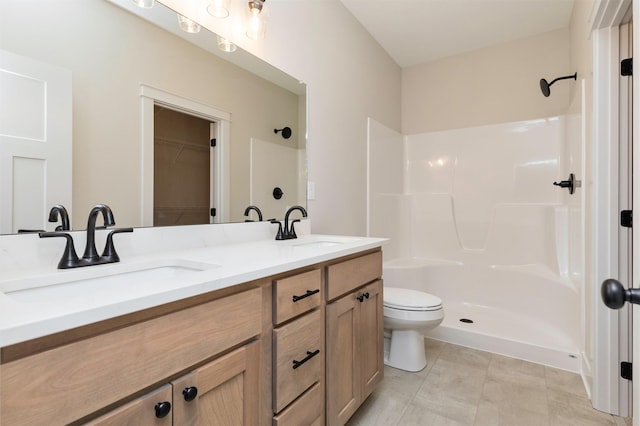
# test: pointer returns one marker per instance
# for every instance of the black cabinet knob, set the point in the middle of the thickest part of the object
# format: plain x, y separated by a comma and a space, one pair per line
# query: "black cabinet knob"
366, 295
162, 409
190, 393
360, 298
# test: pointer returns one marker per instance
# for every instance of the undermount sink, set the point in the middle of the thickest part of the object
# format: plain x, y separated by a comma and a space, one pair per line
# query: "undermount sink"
319, 241
101, 285
318, 244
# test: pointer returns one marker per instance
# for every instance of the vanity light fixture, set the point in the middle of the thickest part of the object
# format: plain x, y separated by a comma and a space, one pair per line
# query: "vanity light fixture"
225, 45
218, 8
256, 24
188, 25
147, 4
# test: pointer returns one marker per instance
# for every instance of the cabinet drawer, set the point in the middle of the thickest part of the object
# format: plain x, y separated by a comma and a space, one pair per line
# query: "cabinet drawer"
89, 374
296, 358
306, 410
139, 411
346, 276
296, 295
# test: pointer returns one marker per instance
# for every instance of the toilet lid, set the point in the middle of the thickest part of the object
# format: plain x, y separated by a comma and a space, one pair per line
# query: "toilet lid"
411, 300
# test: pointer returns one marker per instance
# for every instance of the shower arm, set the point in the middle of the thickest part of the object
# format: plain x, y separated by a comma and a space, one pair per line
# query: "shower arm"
563, 78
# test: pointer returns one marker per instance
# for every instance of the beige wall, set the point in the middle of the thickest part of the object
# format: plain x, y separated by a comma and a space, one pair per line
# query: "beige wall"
110, 52
494, 85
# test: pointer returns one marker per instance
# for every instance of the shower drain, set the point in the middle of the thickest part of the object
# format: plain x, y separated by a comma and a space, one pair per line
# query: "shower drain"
466, 320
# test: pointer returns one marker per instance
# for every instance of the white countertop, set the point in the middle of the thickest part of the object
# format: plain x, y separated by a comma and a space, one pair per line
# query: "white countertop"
25, 315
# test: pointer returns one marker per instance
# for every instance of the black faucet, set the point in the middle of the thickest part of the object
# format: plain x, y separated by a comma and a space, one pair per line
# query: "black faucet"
290, 232
59, 210
90, 252
70, 258
257, 210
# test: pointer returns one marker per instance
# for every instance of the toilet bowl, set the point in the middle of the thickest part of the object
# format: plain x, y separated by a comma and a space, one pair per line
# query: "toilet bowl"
408, 314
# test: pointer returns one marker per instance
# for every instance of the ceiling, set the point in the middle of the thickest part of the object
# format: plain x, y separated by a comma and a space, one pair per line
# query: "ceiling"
418, 31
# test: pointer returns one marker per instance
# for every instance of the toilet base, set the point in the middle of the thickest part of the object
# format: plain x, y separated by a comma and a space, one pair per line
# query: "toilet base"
406, 350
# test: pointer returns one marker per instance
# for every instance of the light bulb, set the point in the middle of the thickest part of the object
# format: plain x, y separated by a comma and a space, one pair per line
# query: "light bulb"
188, 25
255, 24
218, 8
225, 45
144, 3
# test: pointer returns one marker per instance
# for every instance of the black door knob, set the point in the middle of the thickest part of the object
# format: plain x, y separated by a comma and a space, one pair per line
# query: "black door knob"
190, 393
162, 409
614, 294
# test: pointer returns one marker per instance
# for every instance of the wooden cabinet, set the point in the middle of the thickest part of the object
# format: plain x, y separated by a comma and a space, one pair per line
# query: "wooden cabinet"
303, 347
222, 392
296, 295
306, 410
296, 358
355, 340
150, 409
298, 350
87, 375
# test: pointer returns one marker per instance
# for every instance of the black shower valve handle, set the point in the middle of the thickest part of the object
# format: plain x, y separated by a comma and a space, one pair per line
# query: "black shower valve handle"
571, 184
563, 184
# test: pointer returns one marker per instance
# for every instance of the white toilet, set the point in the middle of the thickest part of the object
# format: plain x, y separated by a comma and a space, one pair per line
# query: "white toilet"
408, 314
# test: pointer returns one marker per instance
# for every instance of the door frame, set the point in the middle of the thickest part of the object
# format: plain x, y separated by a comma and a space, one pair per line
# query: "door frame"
220, 191
606, 392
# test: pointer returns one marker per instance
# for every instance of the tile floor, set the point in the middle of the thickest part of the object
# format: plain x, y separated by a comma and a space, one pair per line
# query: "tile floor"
462, 386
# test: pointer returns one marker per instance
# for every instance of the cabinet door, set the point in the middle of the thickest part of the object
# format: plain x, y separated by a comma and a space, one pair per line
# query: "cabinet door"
370, 332
145, 410
228, 391
341, 373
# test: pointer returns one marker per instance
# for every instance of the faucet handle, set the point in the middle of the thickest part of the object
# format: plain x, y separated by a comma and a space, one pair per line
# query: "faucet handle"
109, 254
292, 231
279, 235
69, 258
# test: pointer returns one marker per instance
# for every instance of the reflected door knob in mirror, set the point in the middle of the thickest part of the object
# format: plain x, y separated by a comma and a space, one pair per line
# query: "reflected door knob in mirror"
190, 393
162, 409
614, 295
277, 193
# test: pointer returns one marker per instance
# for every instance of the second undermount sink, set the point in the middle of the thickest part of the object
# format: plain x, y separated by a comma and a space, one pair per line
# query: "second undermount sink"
101, 285
322, 241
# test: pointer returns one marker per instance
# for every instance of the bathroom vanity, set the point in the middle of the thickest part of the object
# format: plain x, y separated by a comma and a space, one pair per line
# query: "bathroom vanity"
252, 331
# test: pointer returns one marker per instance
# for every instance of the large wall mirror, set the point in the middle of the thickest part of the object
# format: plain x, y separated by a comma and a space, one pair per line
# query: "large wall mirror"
146, 101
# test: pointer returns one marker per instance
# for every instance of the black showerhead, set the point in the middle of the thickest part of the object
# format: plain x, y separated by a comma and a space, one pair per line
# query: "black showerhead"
546, 87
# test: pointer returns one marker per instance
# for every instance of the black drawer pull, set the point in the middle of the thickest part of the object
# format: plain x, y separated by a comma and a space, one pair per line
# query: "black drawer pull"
310, 355
307, 294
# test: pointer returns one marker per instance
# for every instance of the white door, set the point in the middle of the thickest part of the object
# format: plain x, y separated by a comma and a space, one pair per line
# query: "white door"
35, 142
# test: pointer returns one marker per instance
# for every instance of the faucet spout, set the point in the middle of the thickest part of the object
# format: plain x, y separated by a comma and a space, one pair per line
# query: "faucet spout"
290, 233
257, 210
90, 252
59, 210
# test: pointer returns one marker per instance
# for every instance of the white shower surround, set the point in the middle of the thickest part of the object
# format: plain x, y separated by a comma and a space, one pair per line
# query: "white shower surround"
476, 220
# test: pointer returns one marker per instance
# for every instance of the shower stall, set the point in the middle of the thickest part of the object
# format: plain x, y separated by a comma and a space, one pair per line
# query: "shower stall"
474, 217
